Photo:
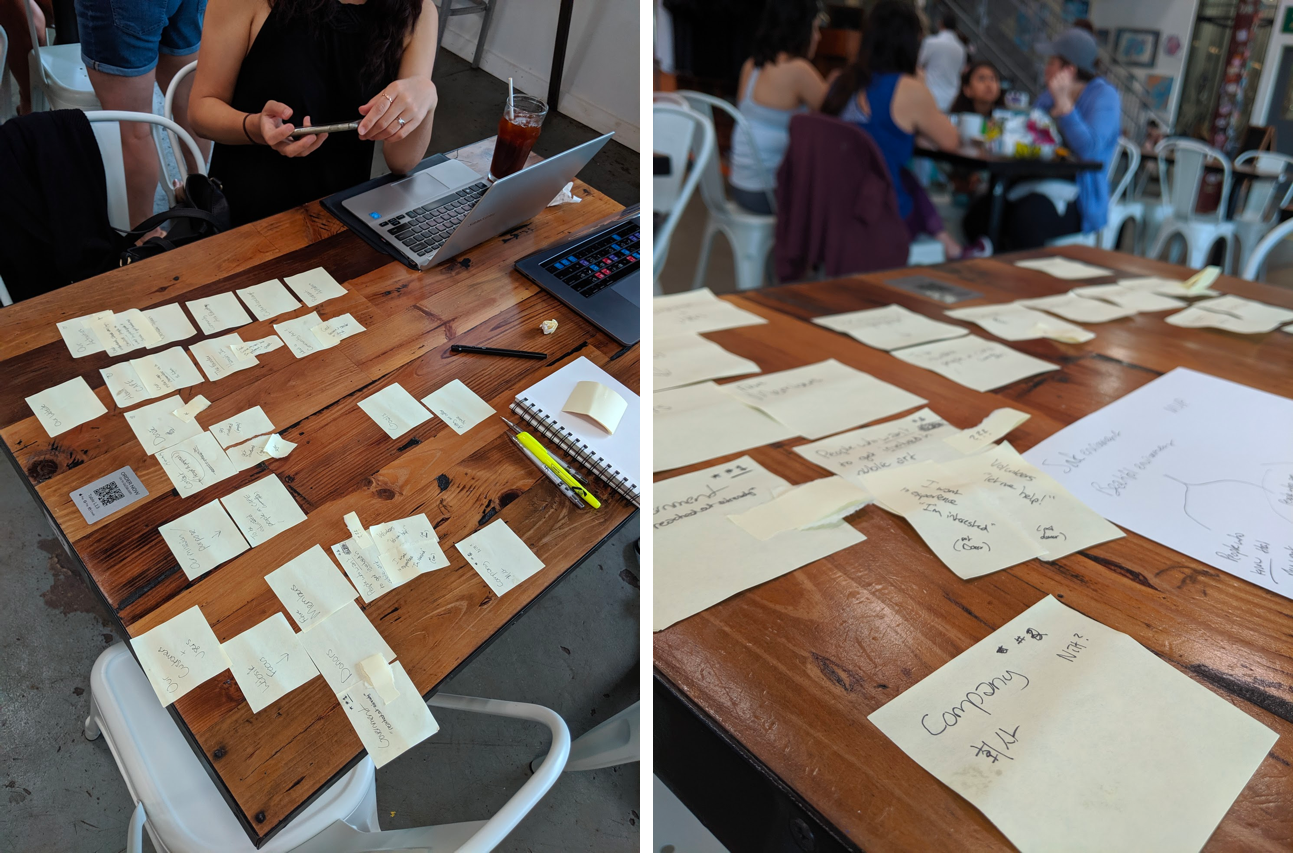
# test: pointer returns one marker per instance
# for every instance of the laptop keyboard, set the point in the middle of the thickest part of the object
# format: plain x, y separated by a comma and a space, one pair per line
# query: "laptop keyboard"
424, 229
595, 265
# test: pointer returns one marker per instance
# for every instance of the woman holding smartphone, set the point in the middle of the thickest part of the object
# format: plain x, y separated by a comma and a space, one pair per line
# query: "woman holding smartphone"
267, 67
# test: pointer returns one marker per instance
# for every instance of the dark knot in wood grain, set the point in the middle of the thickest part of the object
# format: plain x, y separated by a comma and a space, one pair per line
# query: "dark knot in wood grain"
385, 494
41, 470
260, 817
443, 481
838, 674
219, 753
508, 496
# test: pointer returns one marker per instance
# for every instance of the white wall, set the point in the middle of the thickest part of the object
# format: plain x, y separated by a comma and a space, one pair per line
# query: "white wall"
599, 86
1270, 67
1169, 17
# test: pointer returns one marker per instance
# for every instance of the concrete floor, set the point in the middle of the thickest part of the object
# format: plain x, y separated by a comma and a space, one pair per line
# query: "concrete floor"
576, 651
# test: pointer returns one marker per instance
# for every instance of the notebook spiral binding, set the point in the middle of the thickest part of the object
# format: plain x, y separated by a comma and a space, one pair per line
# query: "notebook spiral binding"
552, 430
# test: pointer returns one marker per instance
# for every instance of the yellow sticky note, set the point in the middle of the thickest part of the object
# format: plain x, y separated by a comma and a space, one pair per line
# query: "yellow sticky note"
64, 406
993, 427
805, 507
377, 672
179, 654
600, 404
192, 408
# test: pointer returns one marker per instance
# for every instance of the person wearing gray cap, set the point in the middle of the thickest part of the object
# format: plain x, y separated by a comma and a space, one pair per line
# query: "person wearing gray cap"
1088, 112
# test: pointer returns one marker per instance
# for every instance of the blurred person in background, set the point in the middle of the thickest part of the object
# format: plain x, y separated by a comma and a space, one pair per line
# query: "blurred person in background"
980, 90
942, 56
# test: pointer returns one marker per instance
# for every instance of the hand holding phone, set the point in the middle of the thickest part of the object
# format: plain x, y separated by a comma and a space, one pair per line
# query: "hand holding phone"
339, 127
276, 132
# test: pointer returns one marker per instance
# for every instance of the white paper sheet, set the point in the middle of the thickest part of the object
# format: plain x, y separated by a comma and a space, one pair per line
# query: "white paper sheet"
678, 360
458, 406
891, 327
203, 539
195, 463
268, 662
216, 358
1197, 463
388, 729
123, 332
338, 642
699, 422
499, 556
298, 336
263, 509
179, 654
268, 299
170, 324
905, 441
697, 311
974, 362
217, 313
1073, 307
702, 558
1064, 268
315, 286
65, 406
310, 587
157, 427
1070, 736
395, 410
79, 337
242, 426
1014, 322
278, 447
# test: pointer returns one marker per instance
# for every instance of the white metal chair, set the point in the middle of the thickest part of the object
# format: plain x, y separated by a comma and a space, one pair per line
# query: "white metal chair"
448, 10
751, 235
679, 134
1122, 208
59, 80
168, 110
615, 741
179, 805
665, 188
1263, 199
110, 150
1253, 267
1182, 181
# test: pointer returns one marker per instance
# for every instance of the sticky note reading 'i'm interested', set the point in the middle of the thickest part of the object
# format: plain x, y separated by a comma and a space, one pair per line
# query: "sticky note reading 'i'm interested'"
499, 556
64, 406
598, 403
179, 654
310, 587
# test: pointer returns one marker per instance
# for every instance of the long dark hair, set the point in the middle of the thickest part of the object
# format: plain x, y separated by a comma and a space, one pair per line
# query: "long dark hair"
787, 27
391, 23
963, 104
890, 42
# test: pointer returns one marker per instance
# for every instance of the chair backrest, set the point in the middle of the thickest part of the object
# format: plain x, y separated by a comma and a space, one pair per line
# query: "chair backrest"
1268, 194
4, 50
675, 145
1182, 179
169, 109
160, 121
679, 133
1253, 269
705, 105
1122, 169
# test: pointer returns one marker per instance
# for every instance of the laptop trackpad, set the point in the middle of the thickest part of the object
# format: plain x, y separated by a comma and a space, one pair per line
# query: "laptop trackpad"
436, 181
630, 288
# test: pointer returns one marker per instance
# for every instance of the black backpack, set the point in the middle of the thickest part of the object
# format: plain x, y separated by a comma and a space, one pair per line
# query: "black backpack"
205, 212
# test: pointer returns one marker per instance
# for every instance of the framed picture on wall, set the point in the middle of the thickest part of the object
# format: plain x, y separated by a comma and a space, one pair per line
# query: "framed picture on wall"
1136, 48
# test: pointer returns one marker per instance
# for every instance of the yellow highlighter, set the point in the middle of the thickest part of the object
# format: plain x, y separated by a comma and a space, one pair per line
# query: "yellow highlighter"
531, 444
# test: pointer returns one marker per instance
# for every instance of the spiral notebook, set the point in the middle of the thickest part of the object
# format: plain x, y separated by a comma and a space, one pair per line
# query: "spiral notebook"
615, 458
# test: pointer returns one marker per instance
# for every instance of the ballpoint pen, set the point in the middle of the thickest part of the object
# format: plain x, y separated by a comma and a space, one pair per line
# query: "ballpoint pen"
550, 474
530, 443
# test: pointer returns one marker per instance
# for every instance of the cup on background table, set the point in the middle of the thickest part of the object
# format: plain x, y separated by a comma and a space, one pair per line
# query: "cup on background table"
517, 130
971, 127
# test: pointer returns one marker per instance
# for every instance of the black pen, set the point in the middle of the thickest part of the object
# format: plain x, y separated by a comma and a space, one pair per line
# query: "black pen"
514, 353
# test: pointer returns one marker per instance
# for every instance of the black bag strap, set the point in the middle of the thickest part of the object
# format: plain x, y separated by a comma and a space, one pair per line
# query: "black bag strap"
174, 213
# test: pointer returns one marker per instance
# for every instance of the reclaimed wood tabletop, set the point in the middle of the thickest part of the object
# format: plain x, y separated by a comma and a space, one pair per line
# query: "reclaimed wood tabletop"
790, 670
270, 764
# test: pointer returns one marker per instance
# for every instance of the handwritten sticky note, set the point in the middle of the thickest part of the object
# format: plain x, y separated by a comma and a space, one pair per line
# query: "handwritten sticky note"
338, 642
1233, 314
170, 324
1167, 287
179, 654
363, 565
263, 510
337, 329
242, 426
388, 729
1146, 758
357, 531
808, 506
408, 547
268, 662
278, 447
79, 337
697, 311
124, 384
64, 406
915, 438
249, 453
678, 360
890, 327
216, 357
157, 427
823, 398
1135, 299
458, 406
378, 673
1202, 279
195, 463
993, 427
974, 362
203, 539
166, 371
192, 408
217, 313
251, 349
1013, 322
395, 410
315, 286
299, 337
598, 403
310, 587
268, 299
1070, 306
121, 333
1064, 268
499, 556
698, 422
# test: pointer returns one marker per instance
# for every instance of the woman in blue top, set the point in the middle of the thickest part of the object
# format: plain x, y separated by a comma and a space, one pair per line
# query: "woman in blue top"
882, 93
1087, 110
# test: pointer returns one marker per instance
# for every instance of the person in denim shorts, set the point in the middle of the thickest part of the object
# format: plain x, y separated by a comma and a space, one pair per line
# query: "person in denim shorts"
127, 46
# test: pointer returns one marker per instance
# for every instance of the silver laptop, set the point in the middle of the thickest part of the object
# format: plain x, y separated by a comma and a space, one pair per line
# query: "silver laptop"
439, 212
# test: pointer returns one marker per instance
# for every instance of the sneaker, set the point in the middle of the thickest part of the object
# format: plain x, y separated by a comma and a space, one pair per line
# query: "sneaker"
980, 248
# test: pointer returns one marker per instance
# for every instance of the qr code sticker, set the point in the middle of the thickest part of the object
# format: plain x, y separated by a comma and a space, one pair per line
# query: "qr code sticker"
109, 493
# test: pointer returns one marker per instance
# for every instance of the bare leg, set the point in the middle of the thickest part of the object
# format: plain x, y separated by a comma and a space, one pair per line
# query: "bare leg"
167, 67
13, 19
137, 150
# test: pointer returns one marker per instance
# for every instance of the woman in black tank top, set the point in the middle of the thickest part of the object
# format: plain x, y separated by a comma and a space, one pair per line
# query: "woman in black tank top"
269, 66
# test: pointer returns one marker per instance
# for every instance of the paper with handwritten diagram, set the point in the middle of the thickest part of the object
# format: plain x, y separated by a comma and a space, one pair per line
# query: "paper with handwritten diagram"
338, 642
179, 654
268, 299
993, 427
337, 329
395, 410
242, 426
203, 539
260, 346
816, 503
170, 324
1196, 463
702, 558
268, 662
216, 357
458, 406
975, 363
299, 337
891, 327
1073, 307
363, 565
499, 556
195, 463
263, 510
678, 360
157, 427
1138, 299
1064, 268
915, 438
217, 313
1070, 736
408, 547
1014, 322
315, 286
310, 587
65, 406
1233, 314
699, 422
696, 312
79, 337
823, 398
388, 729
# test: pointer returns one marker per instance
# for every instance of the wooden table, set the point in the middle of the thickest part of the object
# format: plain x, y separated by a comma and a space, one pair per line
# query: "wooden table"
270, 764
761, 702
1003, 171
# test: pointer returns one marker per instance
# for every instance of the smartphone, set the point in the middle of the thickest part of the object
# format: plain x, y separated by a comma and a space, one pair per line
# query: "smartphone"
323, 128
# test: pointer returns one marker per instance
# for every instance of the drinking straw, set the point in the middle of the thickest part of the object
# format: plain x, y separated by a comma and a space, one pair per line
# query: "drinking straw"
511, 110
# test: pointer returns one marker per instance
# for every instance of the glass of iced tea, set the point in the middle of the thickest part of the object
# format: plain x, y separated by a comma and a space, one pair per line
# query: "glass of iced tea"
517, 130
